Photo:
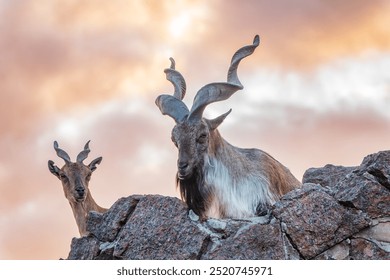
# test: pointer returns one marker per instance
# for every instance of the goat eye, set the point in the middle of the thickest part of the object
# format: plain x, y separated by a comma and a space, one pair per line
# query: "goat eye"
202, 139
63, 177
88, 177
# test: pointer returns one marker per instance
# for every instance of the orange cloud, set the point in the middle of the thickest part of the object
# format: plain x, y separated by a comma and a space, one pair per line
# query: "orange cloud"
298, 33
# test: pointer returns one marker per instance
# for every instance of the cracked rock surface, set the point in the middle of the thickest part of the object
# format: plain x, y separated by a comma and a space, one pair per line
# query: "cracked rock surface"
338, 213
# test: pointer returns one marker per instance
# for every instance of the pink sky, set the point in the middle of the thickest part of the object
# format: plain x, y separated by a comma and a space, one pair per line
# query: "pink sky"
317, 91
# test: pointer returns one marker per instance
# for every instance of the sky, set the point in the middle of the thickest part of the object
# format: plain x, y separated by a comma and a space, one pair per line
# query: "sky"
316, 91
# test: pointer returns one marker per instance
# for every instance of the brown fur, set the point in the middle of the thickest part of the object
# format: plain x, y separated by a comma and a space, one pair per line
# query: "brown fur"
240, 163
75, 179
215, 178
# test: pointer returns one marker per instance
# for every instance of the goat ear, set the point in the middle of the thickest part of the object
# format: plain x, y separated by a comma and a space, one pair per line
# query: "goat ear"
93, 163
53, 168
214, 123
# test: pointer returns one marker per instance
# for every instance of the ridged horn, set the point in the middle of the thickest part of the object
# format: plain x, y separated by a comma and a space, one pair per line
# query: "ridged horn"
176, 79
84, 153
61, 153
221, 91
172, 105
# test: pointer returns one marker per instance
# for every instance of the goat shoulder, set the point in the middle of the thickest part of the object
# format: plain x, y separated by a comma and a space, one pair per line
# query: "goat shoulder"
235, 176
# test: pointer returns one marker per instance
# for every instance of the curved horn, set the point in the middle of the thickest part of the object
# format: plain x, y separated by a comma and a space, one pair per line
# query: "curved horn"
173, 107
176, 79
237, 57
61, 153
220, 91
208, 94
83, 154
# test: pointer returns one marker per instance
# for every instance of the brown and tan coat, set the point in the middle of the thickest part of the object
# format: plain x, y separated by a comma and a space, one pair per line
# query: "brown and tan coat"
75, 177
215, 178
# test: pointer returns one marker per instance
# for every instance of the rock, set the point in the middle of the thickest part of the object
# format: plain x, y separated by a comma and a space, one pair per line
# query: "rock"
367, 188
254, 242
84, 248
315, 221
363, 192
363, 249
175, 237
378, 233
378, 165
338, 213
105, 227
217, 225
329, 175
193, 216
338, 252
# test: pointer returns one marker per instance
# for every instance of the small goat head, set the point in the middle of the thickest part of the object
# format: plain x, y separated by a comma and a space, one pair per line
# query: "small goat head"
74, 176
192, 132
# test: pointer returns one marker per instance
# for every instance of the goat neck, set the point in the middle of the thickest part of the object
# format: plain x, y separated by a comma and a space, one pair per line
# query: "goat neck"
81, 209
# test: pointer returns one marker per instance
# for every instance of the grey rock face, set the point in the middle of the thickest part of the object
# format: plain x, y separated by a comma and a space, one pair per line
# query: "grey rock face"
315, 221
338, 213
329, 175
159, 228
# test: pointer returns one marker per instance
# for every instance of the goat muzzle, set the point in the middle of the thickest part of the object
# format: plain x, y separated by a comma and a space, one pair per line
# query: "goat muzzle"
183, 170
80, 194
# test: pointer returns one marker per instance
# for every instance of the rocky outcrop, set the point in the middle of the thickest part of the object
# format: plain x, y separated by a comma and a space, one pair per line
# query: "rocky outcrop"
339, 213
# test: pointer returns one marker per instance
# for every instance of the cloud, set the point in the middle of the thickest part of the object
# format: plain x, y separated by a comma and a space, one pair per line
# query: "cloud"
346, 84
68, 55
298, 34
29, 231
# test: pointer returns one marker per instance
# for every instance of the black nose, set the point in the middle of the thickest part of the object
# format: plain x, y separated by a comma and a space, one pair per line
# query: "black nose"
80, 191
182, 165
